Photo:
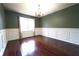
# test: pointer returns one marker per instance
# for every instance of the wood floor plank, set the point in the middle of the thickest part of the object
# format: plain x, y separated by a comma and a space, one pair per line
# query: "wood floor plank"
40, 46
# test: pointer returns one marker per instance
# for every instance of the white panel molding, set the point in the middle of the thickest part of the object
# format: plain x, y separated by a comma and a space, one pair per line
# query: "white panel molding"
27, 34
3, 49
38, 31
3, 40
64, 34
12, 34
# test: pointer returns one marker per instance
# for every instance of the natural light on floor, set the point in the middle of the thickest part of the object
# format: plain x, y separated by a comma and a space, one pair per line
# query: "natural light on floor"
28, 47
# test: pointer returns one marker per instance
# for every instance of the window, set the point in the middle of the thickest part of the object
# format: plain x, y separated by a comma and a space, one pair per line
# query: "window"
27, 24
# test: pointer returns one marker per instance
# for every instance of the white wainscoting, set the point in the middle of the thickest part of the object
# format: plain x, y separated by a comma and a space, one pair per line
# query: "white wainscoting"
12, 34
65, 34
27, 34
38, 31
3, 41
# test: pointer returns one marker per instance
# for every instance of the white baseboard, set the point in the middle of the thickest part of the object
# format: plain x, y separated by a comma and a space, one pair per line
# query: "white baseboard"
3, 41
27, 34
64, 34
3, 49
12, 34
38, 31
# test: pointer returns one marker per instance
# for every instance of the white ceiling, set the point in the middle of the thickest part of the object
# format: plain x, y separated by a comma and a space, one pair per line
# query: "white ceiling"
31, 6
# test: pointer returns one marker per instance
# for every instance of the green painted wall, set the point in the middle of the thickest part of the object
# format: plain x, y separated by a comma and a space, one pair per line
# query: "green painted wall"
12, 18
66, 18
38, 22
2, 17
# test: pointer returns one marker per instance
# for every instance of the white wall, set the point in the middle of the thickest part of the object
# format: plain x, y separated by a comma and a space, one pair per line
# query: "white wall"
38, 31
3, 41
12, 34
65, 34
27, 34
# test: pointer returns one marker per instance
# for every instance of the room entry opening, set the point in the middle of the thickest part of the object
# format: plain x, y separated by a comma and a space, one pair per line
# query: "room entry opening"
27, 26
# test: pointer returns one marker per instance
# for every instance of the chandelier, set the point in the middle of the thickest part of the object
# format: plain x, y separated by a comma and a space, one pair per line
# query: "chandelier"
38, 13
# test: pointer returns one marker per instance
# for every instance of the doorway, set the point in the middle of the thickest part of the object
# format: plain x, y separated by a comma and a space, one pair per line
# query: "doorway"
27, 26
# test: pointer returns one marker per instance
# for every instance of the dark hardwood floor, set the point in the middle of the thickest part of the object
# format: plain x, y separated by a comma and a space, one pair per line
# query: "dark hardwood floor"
40, 46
